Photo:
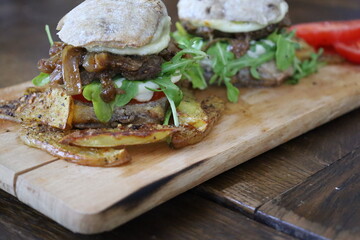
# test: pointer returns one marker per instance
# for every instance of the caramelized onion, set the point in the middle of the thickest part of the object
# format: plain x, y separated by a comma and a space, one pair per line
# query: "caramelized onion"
56, 48
95, 62
108, 93
71, 57
56, 77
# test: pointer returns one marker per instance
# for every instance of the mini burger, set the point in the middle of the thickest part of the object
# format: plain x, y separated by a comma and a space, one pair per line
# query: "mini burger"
112, 82
111, 50
246, 43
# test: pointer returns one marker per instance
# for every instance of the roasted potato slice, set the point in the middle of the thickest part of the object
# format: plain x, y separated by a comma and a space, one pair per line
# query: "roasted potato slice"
51, 107
48, 139
191, 113
7, 110
213, 107
121, 136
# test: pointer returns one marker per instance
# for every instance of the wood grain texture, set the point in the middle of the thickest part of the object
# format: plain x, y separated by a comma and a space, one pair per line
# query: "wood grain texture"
326, 205
26, 158
263, 119
19, 53
323, 10
185, 217
249, 186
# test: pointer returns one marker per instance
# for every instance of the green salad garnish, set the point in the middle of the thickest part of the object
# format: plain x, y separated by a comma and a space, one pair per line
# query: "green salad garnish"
41, 80
279, 46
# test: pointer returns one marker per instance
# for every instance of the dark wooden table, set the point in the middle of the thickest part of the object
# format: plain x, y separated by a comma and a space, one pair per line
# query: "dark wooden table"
308, 188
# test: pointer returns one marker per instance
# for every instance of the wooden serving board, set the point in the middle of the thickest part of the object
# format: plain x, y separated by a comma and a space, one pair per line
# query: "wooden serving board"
92, 200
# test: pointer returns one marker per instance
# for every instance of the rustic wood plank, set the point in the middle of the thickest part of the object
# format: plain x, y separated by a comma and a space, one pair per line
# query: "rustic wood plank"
21, 19
15, 157
185, 217
327, 204
26, 158
262, 120
320, 10
250, 185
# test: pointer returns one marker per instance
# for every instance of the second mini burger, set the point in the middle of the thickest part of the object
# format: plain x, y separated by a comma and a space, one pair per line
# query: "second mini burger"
247, 43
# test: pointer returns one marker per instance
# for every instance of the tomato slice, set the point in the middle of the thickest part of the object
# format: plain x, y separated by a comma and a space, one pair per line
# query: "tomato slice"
80, 98
320, 34
350, 51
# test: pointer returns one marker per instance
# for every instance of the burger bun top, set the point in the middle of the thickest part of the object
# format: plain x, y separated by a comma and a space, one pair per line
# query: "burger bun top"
232, 15
127, 27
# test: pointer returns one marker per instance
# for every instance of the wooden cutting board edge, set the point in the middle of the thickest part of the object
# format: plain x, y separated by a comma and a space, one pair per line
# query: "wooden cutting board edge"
159, 191
8, 176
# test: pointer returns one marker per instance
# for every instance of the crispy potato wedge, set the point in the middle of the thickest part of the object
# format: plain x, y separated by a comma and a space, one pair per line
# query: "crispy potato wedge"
191, 113
7, 110
213, 107
50, 107
121, 136
48, 139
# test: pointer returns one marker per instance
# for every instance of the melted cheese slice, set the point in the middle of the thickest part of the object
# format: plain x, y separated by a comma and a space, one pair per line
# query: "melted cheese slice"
144, 94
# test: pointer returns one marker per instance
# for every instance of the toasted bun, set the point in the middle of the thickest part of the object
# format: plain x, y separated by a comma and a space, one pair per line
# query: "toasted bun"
232, 15
119, 26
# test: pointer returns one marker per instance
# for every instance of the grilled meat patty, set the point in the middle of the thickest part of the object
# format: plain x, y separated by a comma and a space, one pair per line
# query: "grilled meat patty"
143, 113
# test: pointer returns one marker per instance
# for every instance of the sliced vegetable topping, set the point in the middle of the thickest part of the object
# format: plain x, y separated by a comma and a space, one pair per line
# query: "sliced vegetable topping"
343, 36
351, 51
320, 34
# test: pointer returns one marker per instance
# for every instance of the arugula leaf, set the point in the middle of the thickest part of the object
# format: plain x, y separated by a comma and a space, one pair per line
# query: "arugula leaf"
47, 30
220, 57
254, 72
307, 67
191, 45
225, 66
103, 110
232, 91
173, 94
131, 90
285, 52
167, 117
181, 36
196, 74
186, 40
170, 89
247, 61
41, 80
